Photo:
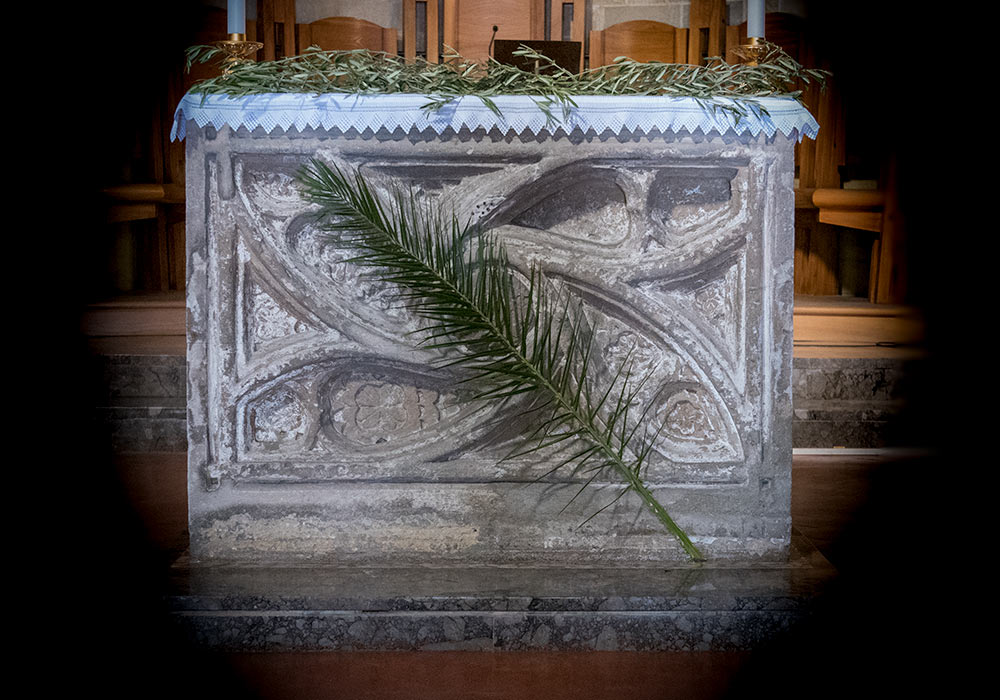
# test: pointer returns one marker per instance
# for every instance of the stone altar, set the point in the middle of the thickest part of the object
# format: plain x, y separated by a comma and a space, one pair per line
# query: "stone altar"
319, 433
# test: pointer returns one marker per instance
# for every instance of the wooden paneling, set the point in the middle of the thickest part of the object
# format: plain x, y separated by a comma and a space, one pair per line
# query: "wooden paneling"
120, 213
707, 31
572, 29
468, 24
141, 194
819, 166
817, 256
860, 209
817, 160
347, 33
146, 315
276, 29
864, 220
848, 199
170, 193
429, 30
641, 40
829, 144
842, 327
577, 24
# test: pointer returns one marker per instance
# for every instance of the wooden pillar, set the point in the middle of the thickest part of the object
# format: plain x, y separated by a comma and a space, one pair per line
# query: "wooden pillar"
410, 30
888, 269
276, 29
817, 255
706, 30
577, 25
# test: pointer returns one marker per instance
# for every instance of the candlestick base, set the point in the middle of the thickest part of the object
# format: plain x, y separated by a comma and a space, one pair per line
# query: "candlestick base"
753, 52
238, 50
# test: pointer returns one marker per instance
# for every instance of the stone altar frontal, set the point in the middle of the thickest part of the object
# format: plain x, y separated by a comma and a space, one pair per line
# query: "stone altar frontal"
318, 431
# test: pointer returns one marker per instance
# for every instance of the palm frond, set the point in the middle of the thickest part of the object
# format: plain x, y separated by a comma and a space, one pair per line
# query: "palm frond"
513, 338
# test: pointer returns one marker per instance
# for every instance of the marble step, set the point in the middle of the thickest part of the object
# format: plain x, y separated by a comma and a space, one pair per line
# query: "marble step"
838, 402
850, 402
140, 401
144, 425
839, 423
876, 380
715, 606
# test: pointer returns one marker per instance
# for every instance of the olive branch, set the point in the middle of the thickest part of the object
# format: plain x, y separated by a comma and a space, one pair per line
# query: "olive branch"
369, 72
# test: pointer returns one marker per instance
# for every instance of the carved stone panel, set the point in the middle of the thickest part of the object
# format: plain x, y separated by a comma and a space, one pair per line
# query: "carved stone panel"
319, 429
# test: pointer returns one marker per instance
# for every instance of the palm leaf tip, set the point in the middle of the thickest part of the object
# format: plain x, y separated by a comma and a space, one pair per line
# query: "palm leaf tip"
515, 339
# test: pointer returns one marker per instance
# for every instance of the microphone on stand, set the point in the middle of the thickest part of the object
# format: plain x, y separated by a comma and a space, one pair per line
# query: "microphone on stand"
489, 51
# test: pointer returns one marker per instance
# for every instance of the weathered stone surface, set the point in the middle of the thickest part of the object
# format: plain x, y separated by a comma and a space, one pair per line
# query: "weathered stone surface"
140, 401
317, 431
856, 402
849, 379
680, 607
140, 428
123, 377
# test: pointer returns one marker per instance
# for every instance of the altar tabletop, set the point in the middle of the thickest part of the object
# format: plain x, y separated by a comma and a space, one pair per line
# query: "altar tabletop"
517, 114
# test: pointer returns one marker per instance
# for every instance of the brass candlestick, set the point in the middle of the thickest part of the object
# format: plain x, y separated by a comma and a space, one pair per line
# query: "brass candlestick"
238, 50
751, 52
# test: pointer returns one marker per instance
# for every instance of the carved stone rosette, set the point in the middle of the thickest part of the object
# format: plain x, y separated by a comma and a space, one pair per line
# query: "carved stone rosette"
318, 430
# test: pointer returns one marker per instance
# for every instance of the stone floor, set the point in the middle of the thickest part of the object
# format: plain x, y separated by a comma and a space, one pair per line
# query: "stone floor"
852, 504
711, 606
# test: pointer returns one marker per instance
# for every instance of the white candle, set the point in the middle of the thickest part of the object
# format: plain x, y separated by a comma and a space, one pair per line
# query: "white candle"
755, 18
237, 17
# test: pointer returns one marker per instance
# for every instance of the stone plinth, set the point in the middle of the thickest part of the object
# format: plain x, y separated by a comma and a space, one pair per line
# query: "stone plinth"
319, 432
717, 606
